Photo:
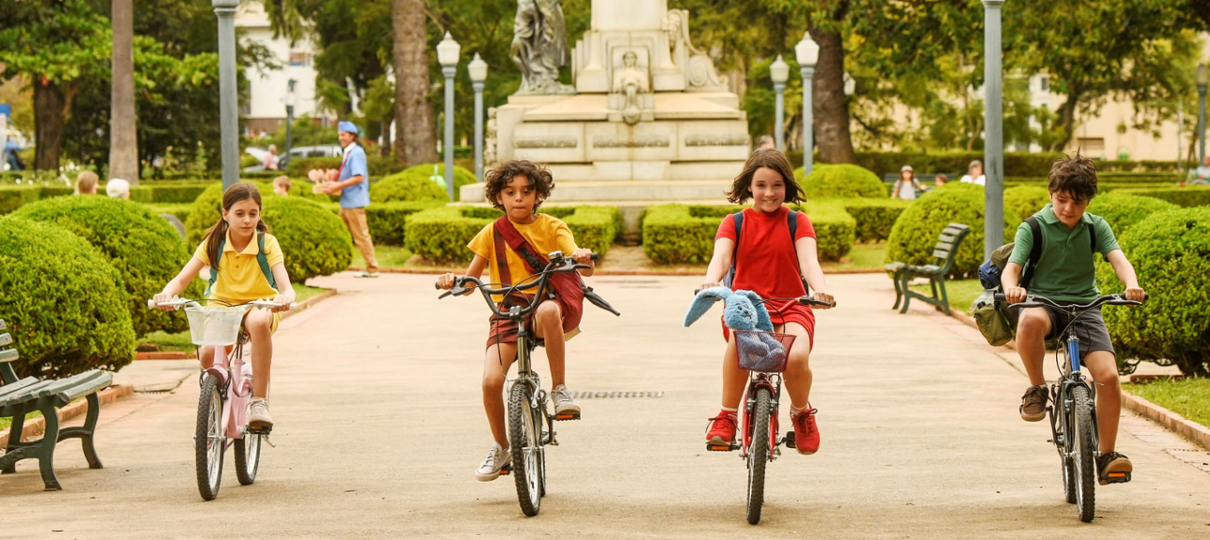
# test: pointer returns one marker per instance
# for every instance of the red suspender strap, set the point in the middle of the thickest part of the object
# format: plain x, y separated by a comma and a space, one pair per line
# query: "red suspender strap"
567, 287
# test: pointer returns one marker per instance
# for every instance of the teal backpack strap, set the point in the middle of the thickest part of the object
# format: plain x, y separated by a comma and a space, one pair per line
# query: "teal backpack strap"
222, 244
263, 261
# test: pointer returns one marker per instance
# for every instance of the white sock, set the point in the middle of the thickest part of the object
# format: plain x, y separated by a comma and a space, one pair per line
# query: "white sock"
731, 409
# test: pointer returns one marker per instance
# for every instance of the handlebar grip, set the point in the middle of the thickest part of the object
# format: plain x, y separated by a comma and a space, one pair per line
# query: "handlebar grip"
151, 303
596, 256
437, 285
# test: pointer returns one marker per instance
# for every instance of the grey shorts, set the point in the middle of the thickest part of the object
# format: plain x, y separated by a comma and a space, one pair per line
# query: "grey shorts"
1090, 329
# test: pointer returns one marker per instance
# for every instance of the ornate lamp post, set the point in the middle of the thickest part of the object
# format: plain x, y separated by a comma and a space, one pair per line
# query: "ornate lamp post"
447, 56
807, 52
290, 98
228, 99
478, 71
1203, 78
993, 159
780, 71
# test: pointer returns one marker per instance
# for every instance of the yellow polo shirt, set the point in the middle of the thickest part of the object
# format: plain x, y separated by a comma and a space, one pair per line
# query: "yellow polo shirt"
545, 234
240, 278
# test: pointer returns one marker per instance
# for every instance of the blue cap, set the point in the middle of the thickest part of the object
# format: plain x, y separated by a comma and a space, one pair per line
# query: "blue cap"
345, 125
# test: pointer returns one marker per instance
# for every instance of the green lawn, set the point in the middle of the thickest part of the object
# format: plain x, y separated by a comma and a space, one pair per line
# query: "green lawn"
1188, 397
29, 417
179, 342
962, 293
388, 257
861, 257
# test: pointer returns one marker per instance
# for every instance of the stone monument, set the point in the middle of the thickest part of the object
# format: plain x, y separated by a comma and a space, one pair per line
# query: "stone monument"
650, 118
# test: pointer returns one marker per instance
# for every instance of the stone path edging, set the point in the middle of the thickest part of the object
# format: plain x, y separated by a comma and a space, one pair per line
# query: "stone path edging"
300, 306
1172, 421
37, 426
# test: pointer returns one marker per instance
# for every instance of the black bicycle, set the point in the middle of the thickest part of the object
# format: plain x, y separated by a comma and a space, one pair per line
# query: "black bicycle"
1073, 424
530, 423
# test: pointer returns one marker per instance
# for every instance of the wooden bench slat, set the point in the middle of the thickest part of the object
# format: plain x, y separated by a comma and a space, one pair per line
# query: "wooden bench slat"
945, 246
27, 393
11, 389
947, 237
6, 339
8, 355
954, 232
69, 389
941, 254
60, 385
2, 325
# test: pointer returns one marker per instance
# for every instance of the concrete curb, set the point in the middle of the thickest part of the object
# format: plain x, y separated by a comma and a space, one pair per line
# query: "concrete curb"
1172, 421
300, 306
37, 426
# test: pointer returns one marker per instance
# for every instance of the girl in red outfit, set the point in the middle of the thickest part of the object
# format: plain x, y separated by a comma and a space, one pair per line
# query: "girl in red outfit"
770, 264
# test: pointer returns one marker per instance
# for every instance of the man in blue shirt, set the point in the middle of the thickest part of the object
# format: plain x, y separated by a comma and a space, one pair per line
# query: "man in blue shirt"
353, 184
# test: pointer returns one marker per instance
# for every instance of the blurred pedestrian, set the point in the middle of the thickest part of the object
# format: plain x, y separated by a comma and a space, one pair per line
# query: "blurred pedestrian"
941, 180
906, 186
974, 174
117, 188
281, 185
86, 183
353, 183
270, 161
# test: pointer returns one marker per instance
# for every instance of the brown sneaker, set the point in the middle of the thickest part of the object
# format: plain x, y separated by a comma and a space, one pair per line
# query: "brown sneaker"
1113, 468
1033, 403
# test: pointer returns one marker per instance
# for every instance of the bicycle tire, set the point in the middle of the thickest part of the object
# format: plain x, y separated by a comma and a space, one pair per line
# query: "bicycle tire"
758, 455
1085, 464
247, 458
525, 445
209, 441
1058, 419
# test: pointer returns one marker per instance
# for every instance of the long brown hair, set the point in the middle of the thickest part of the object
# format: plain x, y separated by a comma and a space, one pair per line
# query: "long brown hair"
770, 158
234, 194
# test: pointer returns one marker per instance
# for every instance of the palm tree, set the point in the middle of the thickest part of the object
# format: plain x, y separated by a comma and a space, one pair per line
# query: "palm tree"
416, 140
123, 135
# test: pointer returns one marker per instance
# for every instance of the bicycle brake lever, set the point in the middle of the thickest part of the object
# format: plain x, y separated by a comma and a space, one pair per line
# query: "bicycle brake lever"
445, 294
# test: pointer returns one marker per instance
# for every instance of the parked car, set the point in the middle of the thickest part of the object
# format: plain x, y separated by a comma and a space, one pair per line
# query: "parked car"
319, 150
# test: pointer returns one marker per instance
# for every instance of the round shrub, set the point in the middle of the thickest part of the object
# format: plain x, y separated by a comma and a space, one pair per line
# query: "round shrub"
915, 232
1123, 210
407, 186
314, 241
462, 176
1170, 252
142, 246
64, 303
208, 206
841, 181
1025, 201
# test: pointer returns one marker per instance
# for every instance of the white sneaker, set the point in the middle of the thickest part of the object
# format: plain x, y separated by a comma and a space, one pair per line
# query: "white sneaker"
258, 414
565, 407
490, 469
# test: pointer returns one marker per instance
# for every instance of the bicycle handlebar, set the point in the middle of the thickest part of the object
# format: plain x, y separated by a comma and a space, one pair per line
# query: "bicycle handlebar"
1042, 301
177, 302
558, 264
805, 300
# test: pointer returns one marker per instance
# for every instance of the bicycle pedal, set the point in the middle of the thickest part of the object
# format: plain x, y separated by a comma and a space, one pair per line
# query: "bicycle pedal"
790, 439
721, 447
506, 470
567, 416
1115, 478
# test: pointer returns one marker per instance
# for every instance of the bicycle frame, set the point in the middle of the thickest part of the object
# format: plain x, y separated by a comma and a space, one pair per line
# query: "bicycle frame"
235, 386
772, 382
1060, 393
528, 377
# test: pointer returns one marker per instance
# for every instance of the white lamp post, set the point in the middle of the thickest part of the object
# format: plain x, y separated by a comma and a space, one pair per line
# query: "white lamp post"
807, 52
780, 71
289, 101
1203, 78
447, 56
478, 71
228, 101
993, 153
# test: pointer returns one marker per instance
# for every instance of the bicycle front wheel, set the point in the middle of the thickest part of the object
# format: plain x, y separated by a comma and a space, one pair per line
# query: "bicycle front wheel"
247, 458
209, 442
524, 438
1083, 450
758, 454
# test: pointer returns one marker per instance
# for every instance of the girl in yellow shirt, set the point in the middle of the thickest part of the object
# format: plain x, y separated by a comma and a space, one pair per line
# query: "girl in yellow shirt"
235, 241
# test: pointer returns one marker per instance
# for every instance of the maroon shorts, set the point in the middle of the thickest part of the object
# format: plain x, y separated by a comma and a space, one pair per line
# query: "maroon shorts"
792, 312
503, 329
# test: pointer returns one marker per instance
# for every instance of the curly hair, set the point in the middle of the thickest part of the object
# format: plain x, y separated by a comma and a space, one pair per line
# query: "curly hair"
1075, 175
770, 158
497, 179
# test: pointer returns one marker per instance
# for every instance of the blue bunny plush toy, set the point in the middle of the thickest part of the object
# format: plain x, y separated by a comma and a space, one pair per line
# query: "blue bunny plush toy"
742, 310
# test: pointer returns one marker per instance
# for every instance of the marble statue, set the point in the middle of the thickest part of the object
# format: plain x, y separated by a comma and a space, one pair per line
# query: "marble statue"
539, 46
630, 81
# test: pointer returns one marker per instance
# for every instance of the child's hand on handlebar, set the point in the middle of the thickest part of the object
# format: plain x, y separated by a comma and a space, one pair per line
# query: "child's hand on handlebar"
286, 300
161, 298
1135, 294
708, 285
446, 281
1015, 295
821, 296
582, 256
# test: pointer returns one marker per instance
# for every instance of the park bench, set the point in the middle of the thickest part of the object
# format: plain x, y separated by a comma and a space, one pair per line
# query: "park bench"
19, 397
944, 252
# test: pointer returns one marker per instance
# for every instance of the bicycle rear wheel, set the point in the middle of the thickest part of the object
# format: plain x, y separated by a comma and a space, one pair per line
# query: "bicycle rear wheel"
247, 458
1082, 453
758, 455
524, 438
209, 442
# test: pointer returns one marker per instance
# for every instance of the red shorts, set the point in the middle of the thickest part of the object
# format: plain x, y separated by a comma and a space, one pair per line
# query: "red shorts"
503, 329
792, 312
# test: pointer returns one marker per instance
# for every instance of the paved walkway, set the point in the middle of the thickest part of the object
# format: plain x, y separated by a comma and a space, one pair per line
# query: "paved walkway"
376, 395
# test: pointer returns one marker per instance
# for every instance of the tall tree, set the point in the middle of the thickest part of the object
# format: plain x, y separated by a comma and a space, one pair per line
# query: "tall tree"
831, 110
123, 134
414, 120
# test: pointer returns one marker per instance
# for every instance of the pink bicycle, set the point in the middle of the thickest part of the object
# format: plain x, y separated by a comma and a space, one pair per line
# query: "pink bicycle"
226, 389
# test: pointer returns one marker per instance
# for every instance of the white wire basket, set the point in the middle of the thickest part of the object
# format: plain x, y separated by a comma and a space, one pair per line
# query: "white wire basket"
214, 325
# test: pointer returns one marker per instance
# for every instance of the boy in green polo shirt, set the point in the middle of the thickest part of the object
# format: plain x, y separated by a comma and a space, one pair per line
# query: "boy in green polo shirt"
1065, 274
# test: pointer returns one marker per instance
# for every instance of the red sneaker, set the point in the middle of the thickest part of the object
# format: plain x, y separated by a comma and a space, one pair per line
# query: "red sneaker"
722, 429
806, 433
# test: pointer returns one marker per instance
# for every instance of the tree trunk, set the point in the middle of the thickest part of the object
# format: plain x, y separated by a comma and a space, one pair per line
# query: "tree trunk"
831, 112
1067, 119
387, 126
416, 142
50, 115
123, 135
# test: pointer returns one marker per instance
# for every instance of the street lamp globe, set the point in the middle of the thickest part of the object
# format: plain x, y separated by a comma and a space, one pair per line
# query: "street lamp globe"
447, 51
477, 69
807, 51
779, 70
289, 101
1203, 75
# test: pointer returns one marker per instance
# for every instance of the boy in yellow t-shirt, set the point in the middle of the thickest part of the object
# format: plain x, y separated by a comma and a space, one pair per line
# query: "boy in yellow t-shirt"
518, 188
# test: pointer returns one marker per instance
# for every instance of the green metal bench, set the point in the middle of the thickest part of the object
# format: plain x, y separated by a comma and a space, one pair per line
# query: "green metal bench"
944, 252
19, 397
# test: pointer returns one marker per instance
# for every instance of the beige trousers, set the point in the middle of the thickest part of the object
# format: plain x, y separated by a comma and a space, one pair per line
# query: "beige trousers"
355, 220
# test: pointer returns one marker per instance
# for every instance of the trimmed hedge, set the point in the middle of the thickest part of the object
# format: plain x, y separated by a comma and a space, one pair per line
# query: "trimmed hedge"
14, 197
388, 221
1170, 252
379, 166
462, 176
1025, 201
313, 240
1122, 210
441, 234
874, 217
142, 246
180, 210
915, 232
839, 181
407, 187
1181, 196
1015, 163
208, 207
64, 303
677, 233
